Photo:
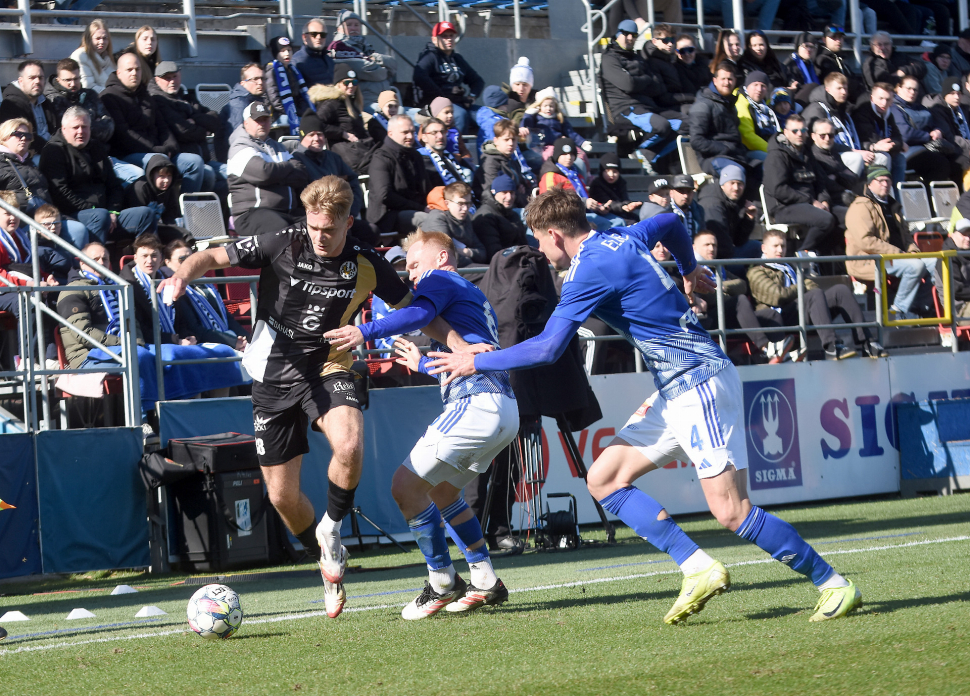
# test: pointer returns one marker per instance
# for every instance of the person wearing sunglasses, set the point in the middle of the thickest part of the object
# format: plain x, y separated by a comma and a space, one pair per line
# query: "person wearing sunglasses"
313, 59
661, 55
798, 192
693, 73
341, 107
249, 89
377, 71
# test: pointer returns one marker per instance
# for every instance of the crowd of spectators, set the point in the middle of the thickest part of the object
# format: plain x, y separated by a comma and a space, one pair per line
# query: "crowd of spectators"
102, 147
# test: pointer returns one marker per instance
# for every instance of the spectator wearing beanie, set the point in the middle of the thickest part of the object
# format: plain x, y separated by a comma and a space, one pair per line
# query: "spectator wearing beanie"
729, 216
756, 121
376, 71
442, 109
520, 93
953, 119
312, 60
441, 72
340, 106
559, 171
547, 123
495, 222
388, 105
285, 86
495, 108
800, 68
781, 103
609, 189
939, 69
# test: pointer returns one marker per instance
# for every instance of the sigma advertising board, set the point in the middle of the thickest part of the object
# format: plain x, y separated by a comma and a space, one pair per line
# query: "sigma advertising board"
813, 431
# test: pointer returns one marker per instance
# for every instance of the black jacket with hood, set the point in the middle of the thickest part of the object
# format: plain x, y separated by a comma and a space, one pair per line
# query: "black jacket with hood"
60, 100
140, 126
143, 191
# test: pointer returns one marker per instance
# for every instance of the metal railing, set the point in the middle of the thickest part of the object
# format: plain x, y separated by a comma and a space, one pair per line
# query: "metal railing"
31, 331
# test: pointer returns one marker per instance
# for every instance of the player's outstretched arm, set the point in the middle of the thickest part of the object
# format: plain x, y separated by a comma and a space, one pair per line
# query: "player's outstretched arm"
541, 350
196, 266
402, 321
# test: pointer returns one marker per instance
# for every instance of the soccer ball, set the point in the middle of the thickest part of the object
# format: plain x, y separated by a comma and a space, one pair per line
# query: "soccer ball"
214, 612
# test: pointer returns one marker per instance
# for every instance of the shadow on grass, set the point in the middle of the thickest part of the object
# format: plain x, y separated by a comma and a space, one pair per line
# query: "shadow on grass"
254, 636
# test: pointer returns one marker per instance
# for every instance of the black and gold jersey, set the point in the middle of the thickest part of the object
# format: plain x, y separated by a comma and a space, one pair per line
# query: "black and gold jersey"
302, 296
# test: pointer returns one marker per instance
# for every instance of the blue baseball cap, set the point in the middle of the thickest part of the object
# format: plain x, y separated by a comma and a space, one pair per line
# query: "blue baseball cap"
627, 26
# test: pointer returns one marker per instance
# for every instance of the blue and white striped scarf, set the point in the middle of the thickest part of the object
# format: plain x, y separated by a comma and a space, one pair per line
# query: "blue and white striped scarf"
213, 317
286, 94
109, 299
166, 313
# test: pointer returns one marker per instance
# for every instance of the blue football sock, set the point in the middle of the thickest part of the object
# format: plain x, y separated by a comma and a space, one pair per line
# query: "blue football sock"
777, 537
639, 512
466, 533
427, 531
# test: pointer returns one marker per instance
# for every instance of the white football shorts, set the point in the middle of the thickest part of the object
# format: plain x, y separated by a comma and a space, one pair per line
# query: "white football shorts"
704, 425
464, 439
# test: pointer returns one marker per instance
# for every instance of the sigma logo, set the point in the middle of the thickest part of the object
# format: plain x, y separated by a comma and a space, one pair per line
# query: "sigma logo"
259, 423
311, 322
304, 265
344, 387
771, 425
348, 270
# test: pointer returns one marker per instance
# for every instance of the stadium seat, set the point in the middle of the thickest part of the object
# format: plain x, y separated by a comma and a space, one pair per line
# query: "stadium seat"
944, 195
916, 206
787, 230
213, 95
203, 217
689, 163
929, 241
364, 179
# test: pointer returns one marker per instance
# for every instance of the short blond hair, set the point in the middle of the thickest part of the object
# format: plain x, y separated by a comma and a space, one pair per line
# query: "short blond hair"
10, 198
438, 239
330, 195
9, 126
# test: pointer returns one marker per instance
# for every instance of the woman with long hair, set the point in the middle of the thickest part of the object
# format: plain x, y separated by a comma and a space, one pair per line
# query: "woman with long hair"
758, 56
728, 49
95, 56
149, 53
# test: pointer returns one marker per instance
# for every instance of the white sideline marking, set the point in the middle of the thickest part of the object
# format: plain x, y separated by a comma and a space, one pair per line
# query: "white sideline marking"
538, 588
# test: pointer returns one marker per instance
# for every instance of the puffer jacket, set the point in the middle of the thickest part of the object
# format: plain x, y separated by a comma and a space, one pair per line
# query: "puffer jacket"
876, 69
628, 81
82, 307
664, 64
263, 174
768, 287
714, 126
29, 175
94, 71
792, 177
189, 121
497, 227
338, 120
60, 100
139, 126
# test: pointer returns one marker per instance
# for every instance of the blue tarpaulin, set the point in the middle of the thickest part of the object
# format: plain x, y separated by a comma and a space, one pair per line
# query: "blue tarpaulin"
19, 544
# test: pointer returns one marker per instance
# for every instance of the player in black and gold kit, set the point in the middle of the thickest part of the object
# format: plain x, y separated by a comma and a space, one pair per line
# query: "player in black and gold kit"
313, 278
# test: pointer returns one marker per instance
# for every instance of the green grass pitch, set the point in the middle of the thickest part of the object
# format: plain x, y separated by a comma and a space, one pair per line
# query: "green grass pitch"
578, 622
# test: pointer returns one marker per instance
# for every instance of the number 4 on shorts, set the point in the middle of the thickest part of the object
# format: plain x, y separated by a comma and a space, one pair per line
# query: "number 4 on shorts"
695, 439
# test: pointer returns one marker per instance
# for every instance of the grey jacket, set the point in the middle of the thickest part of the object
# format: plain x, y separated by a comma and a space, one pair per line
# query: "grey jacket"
263, 174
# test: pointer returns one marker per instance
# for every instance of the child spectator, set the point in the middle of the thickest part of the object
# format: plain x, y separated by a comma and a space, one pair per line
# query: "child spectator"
457, 224
501, 155
388, 105
547, 123
609, 188
442, 109
559, 172
285, 86
159, 188
496, 224
781, 103
494, 110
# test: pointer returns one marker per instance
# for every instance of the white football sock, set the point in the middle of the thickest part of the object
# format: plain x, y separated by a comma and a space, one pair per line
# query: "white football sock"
442, 579
835, 581
328, 534
483, 575
697, 562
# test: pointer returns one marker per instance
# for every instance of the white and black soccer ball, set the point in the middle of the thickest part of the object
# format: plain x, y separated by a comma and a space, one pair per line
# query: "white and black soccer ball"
214, 612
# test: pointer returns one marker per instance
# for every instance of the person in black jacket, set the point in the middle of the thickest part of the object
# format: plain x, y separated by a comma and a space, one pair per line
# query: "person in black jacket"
340, 106
953, 118
829, 60
189, 121
159, 188
631, 89
661, 56
285, 87
797, 191
692, 71
500, 155
441, 72
441, 167
609, 189
495, 223
877, 128
140, 127
64, 90
24, 98
714, 132
883, 64
398, 186
758, 56
83, 184
729, 216
800, 68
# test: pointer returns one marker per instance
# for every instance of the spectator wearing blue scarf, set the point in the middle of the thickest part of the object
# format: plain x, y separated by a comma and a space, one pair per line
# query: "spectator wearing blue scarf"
800, 68
559, 172
285, 86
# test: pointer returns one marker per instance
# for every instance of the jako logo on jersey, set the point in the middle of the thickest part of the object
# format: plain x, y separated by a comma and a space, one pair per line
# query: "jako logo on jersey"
259, 423
771, 426
348, 270
304, 265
